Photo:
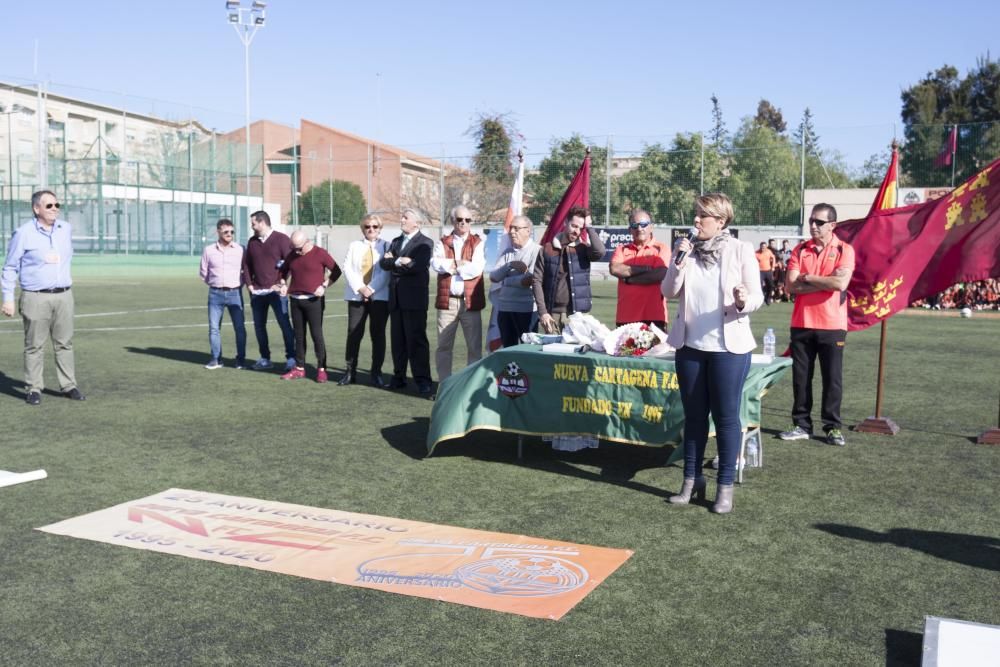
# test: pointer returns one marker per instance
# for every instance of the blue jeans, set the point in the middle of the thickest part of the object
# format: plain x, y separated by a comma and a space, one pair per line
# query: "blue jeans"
259, 305
220, 300
711, 382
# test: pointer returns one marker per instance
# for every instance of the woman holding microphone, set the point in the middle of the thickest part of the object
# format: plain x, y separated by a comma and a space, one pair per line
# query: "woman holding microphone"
716, 282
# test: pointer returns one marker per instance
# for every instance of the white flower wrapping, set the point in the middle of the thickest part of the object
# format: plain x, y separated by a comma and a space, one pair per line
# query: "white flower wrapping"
646, 341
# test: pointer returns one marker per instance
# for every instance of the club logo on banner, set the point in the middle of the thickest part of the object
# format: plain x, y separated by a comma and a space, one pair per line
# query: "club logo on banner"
509, 573
513, 381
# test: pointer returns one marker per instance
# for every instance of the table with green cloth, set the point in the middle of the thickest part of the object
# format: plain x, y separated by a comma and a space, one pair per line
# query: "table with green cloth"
528, 391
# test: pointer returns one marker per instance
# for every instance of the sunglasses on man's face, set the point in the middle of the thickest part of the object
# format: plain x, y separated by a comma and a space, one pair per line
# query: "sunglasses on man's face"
54, 205
638, 225
818, 222
372, 227
469, 220
225, 231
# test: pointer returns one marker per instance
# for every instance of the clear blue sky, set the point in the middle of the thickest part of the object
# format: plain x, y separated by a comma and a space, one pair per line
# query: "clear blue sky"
637, 70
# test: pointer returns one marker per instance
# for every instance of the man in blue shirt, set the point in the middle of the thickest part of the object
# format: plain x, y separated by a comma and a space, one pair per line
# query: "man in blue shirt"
39, 255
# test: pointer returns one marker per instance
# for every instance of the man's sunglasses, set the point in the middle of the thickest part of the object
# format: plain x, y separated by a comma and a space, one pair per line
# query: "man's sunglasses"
819, 223
372, 227
54, 205
639, 225
225, 231
463, 220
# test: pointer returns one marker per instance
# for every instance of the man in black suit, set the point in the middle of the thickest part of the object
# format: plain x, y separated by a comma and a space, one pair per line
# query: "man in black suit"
408, 261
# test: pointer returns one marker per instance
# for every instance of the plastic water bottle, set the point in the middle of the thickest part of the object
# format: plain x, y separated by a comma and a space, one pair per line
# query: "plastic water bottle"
753, 452
769, 343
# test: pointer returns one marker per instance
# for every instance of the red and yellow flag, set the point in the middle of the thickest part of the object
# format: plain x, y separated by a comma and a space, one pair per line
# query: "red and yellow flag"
905, 254
886, 197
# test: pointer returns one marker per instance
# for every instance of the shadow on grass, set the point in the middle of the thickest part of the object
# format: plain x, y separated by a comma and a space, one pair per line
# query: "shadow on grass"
187, 356
903, 648
409, 438
618, 463
10, 386
972, 550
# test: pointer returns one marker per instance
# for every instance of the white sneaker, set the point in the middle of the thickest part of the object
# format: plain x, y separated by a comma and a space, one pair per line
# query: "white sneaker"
262, 364
213, 364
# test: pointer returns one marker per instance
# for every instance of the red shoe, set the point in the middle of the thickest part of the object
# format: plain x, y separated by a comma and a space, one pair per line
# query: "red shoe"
294, 374
321, 376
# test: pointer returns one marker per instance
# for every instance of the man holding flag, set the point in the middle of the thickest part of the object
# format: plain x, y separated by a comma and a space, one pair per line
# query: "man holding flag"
561, 280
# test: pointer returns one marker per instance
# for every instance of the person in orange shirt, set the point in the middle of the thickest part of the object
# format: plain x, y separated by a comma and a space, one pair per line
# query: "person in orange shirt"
766, 263
817, 274
640, 267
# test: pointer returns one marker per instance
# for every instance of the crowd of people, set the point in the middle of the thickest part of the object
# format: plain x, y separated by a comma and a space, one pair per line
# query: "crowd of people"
715, 281
979, 295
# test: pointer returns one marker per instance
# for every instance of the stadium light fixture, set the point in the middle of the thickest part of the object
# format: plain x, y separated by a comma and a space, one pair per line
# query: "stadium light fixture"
246, 21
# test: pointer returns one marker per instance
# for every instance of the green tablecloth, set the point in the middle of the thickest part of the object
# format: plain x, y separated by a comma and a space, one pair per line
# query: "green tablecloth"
623, 399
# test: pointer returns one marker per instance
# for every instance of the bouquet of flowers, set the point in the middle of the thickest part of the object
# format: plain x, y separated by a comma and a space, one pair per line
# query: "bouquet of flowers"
634, 340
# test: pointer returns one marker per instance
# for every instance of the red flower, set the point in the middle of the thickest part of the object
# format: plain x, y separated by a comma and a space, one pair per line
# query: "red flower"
630, 342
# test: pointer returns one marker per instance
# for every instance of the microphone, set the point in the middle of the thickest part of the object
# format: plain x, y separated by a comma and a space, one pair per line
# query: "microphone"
692, 235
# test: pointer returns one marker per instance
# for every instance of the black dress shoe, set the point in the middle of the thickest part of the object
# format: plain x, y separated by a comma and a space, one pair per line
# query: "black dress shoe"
378, 382
346, 379
33, 398
74, 395
425, 388
397, 384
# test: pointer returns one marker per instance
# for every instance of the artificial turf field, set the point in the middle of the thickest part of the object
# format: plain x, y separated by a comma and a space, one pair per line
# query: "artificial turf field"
833, 556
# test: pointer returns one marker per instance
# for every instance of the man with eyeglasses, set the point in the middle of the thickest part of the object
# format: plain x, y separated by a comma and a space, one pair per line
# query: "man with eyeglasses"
514, 300
561, 279
39, 256
459, 259
265, 253
222, 270
640, 267
818, 272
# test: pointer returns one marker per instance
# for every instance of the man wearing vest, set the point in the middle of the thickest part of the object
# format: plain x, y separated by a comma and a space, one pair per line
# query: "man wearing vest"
819, 271
459, 259
561, 281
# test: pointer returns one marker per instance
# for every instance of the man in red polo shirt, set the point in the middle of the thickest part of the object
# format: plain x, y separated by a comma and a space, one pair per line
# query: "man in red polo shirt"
640, 267
817, 274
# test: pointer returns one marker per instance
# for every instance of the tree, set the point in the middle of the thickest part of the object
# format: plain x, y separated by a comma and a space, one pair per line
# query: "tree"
936, 103
348, 204
763, 181
718, 136
548, 183
769, 116
495, 153
873, 171
806, 128
668, 179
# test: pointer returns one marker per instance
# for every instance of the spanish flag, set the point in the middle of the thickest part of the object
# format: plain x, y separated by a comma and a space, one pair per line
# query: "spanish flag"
886, 197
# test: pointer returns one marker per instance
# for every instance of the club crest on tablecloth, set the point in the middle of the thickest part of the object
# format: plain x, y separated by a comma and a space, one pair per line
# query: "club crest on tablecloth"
513, 381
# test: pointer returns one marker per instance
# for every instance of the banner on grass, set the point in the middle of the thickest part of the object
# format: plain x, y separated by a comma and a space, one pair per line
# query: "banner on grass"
510, 573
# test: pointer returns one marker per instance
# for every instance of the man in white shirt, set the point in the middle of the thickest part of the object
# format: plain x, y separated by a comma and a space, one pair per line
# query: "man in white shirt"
459, 259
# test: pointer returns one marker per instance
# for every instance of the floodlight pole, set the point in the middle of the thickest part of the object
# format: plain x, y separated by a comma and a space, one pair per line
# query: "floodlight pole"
246, 21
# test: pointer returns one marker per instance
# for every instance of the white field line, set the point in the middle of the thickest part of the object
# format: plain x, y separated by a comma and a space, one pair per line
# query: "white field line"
203, 325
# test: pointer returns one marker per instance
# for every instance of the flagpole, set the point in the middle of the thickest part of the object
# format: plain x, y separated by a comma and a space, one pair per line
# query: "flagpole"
953, 140
991, 436
878, 423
